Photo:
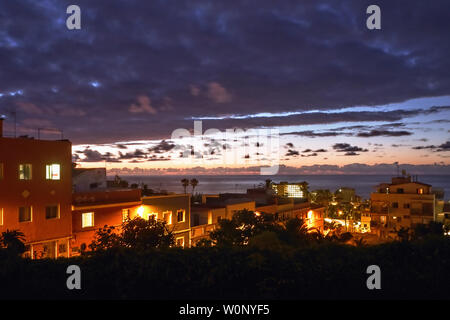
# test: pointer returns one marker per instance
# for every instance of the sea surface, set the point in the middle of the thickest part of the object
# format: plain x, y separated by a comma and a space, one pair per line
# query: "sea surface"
363, 184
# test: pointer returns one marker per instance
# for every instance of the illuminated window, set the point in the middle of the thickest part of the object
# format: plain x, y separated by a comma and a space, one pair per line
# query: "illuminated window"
180, 215
420, 191
168, 217
125, 214
87, 220
25, 214
294, 191
179, 242
1, 216
25, 171
52, 212
53, 172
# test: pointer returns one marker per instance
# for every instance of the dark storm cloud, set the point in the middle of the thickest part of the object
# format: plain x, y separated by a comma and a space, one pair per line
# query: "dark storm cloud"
138, 69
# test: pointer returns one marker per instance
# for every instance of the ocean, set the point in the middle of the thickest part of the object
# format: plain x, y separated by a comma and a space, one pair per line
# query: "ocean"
363, 184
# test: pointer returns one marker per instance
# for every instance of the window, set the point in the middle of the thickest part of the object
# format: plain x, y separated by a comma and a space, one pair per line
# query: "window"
1, 216
125, 214
406, 205
53, 172
52, 212
87, 220
400, 190
62, 248
1, 171
25, 214
180, 242
394, 204
180, 215
420, 191
25, 171
167, 217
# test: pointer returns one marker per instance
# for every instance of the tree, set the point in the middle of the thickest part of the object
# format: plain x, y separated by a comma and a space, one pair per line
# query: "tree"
105, 238
13, 241
242, 227
142, 234
185, 184
194, 183
137, 233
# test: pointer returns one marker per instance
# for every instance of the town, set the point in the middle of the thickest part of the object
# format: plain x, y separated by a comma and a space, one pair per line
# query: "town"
59, 208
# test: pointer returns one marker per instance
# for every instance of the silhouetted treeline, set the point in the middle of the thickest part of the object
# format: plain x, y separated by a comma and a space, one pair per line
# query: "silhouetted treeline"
409, 269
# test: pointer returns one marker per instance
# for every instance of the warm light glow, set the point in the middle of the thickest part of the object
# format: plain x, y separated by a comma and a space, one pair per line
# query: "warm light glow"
257, 213
140, 211
340, 212
310, 214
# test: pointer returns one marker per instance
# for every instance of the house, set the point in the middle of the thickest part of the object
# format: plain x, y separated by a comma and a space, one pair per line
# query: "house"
36, 193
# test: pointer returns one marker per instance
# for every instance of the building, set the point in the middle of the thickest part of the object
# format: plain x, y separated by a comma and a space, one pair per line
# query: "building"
291, 190
175, 210
206, 215
401, 203
94, 210
36, 193
312, 215
88, 179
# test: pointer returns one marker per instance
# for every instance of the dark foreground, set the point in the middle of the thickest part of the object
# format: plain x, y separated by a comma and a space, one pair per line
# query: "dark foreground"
409, 270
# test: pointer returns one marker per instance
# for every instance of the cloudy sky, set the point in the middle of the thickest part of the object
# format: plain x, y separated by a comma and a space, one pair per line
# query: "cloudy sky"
298, 83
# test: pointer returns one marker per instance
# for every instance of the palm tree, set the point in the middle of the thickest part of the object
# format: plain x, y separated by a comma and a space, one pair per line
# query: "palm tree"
185, 183
194, 183
13, 240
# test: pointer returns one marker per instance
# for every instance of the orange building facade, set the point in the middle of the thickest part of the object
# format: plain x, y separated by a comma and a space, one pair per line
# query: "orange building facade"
36, 193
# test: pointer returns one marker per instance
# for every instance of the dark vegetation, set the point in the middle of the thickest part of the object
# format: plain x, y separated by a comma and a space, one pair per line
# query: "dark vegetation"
254, 258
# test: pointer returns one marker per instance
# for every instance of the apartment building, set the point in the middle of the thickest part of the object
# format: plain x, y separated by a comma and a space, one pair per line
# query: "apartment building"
206, 215
36, 193
401, 203
93, 210
175, 210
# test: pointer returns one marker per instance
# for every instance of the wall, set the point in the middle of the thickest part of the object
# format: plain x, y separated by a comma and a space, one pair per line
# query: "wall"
37, 192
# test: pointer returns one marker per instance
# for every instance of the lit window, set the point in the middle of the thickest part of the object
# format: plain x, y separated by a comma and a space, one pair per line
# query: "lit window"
1, 216
25, 214
180, 242
180, 215
53, 172
52, 212
294, 191
168, 217
25, 171
420, 191
87, 220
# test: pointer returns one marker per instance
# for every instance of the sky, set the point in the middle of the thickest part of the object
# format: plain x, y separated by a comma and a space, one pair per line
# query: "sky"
210, 86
